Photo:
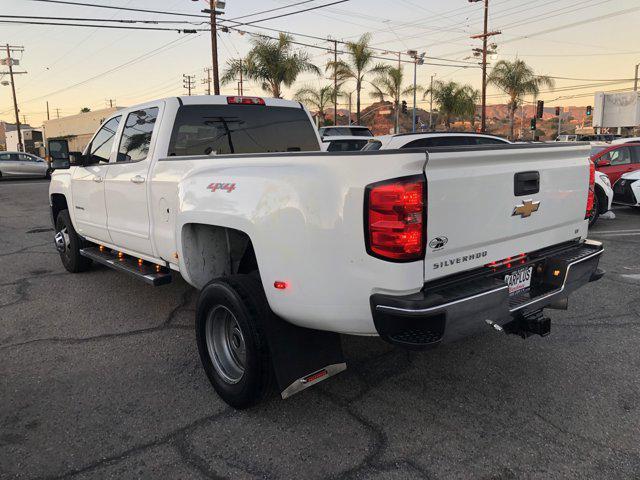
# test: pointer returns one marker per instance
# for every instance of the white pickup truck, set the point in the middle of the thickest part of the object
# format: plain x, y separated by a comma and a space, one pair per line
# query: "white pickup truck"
290, 246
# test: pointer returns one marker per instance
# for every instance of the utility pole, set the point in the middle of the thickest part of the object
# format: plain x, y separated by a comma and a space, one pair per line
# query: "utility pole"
57, 113
207, 80
213, 13
484, 36
635, 82
188, 82
431, 104
48, 117
110, 101
417, 60
10, 62
241, 83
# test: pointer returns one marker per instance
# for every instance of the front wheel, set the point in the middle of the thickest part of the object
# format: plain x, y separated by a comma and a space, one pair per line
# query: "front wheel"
231, 342
68, 243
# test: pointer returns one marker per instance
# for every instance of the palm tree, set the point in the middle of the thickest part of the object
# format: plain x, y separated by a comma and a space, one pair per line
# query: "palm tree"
316, 99
517, 79
360, 57
388, 83
453, 100
471, 96
272, 63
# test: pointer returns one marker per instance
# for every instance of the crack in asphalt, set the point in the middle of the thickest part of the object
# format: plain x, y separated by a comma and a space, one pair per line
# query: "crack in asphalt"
164, 440
165, 325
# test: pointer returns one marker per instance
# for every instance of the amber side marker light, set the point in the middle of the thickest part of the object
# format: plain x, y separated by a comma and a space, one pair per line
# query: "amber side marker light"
280, 285
120, 255
556, 273
140, 262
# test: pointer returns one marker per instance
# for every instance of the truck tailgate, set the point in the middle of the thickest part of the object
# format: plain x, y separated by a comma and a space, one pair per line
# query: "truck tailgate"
475, 217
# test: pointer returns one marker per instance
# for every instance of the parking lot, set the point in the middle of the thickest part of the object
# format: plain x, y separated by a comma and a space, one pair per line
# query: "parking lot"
100, 378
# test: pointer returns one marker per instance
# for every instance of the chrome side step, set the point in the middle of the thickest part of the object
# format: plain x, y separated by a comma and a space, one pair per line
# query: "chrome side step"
149, 273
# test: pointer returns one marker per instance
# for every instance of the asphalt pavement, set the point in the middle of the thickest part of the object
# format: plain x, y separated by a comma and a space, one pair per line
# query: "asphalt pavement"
100, 378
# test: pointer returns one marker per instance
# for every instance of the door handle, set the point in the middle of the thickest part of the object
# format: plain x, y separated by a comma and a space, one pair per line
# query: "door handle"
97, 179
137, 179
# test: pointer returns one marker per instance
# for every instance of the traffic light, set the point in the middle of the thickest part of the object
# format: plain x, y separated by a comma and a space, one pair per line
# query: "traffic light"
557, 111
540, 109
533, 124
404, 106
589, 111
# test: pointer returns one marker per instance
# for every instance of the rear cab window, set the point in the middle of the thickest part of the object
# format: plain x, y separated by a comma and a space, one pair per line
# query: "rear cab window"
241, 129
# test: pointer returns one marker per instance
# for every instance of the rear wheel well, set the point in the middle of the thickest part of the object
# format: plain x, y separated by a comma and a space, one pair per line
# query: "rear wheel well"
602, 199
211, 251
58, 203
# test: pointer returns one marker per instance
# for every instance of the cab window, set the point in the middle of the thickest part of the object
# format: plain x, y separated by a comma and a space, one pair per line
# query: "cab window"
136, 136
100, 147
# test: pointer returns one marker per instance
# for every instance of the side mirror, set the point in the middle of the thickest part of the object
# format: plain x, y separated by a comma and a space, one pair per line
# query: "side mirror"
603, 162
59, 154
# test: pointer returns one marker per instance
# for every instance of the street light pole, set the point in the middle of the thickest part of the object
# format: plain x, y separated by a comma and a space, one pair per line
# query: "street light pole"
15, 101
635, 82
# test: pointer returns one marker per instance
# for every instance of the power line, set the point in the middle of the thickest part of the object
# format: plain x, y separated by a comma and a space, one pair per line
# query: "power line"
96, 5
296, 12
116, 20
121, 27
272, 10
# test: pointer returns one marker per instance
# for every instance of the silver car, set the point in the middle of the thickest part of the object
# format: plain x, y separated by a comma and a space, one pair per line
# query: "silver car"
18, 164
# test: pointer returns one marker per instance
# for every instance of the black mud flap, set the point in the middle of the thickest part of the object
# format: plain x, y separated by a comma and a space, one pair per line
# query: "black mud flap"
302, 357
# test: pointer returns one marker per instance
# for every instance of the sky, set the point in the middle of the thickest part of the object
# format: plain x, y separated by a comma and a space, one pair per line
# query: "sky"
578, 41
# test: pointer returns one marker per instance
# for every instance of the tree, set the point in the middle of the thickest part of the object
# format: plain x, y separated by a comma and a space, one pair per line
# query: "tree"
453, 100
272, 63
517, 79
85, 110
388, 82
316, 99
360, 57
471, 96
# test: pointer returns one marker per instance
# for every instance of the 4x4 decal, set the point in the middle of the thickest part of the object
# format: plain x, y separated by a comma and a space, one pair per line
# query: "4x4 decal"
228, 187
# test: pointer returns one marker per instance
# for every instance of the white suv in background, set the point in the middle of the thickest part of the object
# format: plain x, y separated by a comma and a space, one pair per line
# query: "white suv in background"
344, 131
432, 139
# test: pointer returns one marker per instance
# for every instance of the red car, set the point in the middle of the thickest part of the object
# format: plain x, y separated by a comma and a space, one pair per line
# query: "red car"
616, 160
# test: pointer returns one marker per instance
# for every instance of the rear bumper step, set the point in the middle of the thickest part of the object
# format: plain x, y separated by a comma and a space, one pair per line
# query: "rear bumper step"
460, 309
150, 273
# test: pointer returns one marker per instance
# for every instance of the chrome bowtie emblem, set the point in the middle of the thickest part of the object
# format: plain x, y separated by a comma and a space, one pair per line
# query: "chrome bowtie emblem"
526, 209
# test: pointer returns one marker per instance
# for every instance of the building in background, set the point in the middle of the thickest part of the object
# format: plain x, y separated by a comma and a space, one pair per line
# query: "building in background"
77, 129
31, 139
5, 129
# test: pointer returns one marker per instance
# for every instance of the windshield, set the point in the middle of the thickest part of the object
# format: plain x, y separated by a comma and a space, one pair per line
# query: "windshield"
596, 150
346, 131
225, 129
372, 146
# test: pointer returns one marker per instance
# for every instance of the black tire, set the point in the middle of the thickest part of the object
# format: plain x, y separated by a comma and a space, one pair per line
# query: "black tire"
48, 173
70, 257
244, 298
595, 212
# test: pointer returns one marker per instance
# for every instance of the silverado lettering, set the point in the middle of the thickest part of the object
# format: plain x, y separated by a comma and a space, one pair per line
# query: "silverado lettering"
453, 261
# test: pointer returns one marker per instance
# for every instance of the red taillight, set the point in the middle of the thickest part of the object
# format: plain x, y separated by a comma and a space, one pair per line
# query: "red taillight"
245, 101
592, 186
395, 222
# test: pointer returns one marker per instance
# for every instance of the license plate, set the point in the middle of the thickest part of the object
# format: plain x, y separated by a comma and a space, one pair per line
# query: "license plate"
519, 280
